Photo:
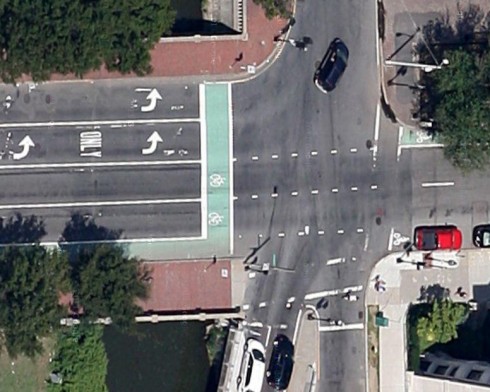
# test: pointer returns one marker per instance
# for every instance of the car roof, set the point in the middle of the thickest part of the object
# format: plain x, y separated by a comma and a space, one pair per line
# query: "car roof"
258, 368
281, 362
329, 72
434, 237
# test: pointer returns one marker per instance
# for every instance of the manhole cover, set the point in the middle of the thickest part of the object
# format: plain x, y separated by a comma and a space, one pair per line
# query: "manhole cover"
48, 99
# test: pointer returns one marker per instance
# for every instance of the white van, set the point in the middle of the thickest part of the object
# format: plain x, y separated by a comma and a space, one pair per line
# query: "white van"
253, 367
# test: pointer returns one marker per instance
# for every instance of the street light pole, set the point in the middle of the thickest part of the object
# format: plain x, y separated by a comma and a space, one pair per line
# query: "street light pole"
425, 67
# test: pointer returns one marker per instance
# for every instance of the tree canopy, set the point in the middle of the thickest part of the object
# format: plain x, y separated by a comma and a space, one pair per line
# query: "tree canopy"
462, 109
32, 278
80, 360
274, 8
106, 283
74, 36
440, 325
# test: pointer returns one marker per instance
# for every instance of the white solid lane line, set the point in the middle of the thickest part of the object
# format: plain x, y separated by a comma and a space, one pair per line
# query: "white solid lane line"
437, 184
69, 165
344, 327
231, 190
335, 261
101, 122
376, 133
125, 241
390, 240
330, 293
109, 203
204, 164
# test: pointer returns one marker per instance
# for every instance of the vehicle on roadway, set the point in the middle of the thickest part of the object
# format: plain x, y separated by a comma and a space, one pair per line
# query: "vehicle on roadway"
481, 236
281, 363
447, 237
332, 66
252, 369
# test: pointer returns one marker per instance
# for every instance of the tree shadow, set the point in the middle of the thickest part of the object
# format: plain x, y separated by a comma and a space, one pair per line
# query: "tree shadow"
469, 31
19, 229
82, 228
81, 233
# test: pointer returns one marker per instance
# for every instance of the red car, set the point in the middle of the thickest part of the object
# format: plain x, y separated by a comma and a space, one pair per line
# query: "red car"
438, 237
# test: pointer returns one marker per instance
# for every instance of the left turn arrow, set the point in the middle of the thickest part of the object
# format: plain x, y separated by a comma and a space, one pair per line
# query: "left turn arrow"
26, 143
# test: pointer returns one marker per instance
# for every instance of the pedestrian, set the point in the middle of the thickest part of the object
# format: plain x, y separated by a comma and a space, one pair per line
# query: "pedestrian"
379, 284
379, 287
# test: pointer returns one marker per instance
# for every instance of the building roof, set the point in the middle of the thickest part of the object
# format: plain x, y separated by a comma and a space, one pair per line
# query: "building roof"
183, 286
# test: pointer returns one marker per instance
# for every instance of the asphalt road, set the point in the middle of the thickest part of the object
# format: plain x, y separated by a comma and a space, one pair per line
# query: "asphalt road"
315, 193
103, 100
134, 170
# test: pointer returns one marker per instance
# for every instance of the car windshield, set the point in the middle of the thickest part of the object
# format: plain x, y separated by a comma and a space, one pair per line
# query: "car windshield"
342, 55
258, 355
429, 240
486, 238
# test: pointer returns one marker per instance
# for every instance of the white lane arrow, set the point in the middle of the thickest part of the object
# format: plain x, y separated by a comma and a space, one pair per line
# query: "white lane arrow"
154, 139
153, 96
26, 143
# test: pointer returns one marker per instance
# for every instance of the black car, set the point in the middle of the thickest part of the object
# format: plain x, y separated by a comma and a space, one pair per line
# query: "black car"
481, 236
281, 363
332, 66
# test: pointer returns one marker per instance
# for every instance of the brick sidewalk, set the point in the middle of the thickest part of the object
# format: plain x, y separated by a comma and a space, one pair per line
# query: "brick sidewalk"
403, 17
209, 57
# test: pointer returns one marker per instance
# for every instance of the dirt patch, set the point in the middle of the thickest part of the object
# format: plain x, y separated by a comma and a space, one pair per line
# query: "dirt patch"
373, 349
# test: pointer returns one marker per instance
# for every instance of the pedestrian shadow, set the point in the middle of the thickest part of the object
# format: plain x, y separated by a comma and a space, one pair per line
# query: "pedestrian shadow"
19, 229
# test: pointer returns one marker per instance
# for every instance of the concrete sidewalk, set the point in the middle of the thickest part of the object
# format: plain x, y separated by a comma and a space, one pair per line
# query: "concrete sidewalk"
398, 23
403, 286
306, 370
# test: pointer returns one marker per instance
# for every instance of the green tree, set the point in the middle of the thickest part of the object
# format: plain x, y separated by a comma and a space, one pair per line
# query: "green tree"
80, 361
107, 283
274, 8
440, 325
42, 37
461, 97
32, 278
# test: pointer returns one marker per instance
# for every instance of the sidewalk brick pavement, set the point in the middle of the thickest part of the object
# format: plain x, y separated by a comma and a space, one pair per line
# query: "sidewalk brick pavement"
206, 56
403, 17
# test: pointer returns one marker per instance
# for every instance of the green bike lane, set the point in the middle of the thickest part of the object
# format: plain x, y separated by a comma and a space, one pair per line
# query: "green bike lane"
216, 186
